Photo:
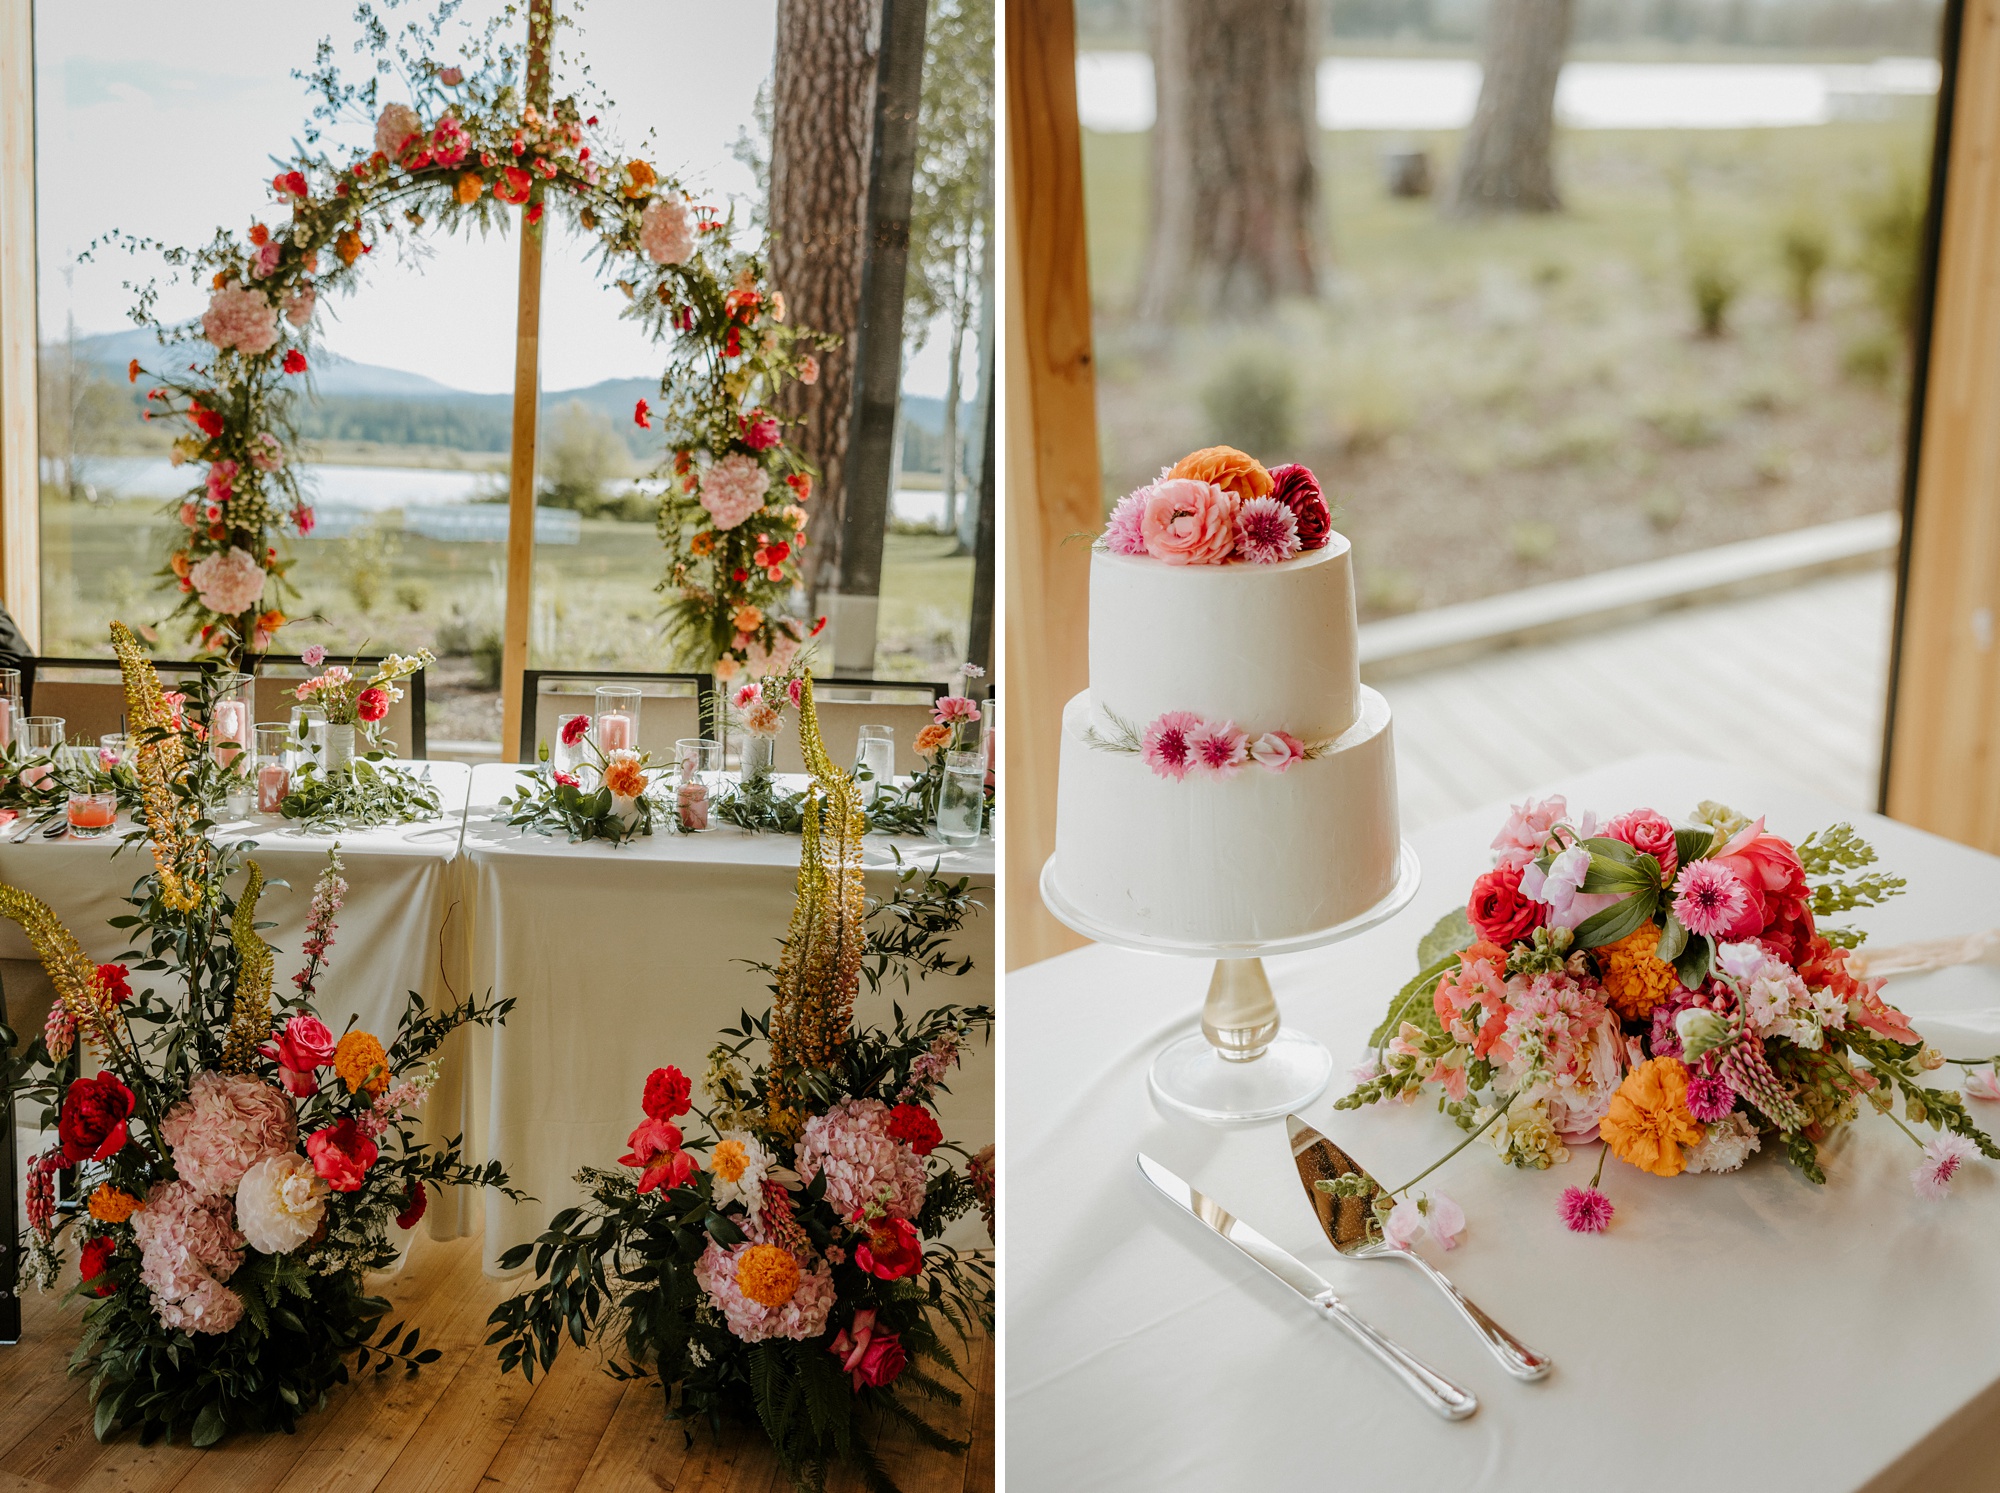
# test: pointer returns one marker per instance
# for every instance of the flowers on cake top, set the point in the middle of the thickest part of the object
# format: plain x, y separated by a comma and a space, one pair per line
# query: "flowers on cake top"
1219, 506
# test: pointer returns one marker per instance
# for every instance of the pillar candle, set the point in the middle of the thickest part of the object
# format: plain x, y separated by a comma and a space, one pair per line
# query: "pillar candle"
614, 731
692, 801
273, 783
232, 728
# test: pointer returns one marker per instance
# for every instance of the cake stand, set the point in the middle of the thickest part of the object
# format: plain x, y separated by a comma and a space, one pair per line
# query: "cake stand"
1244, 1065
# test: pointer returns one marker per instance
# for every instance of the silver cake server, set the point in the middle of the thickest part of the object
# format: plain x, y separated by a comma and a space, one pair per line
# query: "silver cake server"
1436, 1391
1351, 1226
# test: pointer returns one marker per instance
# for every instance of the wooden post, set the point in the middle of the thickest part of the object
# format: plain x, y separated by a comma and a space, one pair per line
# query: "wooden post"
527, 402
1941, 757
20, 456
1052, 477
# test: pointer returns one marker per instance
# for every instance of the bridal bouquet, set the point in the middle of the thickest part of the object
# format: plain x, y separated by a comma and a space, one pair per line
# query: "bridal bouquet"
236, 1168
1674, 991
773, 1256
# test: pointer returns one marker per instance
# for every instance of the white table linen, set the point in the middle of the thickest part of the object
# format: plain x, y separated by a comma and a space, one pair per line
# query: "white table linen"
622, 959
1746, 1330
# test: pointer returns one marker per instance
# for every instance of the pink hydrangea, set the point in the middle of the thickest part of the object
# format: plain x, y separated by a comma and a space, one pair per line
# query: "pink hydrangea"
393, 129
1168, 746
1527, 830
733, 489
804, 1316
666, 231
864, 1164
1125, 534
229, 582
299, 303
188, 1246
240, 318
227, 1123
1266, 532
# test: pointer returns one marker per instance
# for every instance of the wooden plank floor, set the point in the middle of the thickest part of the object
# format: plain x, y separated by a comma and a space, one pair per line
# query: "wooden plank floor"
1794, 681
460, 1424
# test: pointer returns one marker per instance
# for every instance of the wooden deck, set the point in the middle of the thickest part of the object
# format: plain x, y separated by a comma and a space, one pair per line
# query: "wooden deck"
1793, 682
460, 1424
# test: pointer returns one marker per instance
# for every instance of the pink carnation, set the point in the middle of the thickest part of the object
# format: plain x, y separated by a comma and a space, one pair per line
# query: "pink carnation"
240, 318
804, 1316
1219, 748
865, 1165
1185, 522
229, 582
189, 1245
1125, 534
733, 489
227, 1123
1266, 532
666, 231
1168, 747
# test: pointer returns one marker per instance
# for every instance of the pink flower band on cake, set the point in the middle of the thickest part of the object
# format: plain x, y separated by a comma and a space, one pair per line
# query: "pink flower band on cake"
1179, 742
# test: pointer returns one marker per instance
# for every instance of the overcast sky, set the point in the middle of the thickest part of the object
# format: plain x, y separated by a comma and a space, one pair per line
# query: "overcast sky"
162, 119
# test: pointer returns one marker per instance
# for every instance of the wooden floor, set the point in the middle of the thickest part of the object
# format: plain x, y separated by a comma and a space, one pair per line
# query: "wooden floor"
458, 1425
1794, 682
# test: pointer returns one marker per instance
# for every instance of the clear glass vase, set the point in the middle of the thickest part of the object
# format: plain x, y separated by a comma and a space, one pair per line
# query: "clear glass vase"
339, 746
961, 805
759, 752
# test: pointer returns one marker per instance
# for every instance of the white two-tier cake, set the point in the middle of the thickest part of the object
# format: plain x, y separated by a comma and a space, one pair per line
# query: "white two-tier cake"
1250, 854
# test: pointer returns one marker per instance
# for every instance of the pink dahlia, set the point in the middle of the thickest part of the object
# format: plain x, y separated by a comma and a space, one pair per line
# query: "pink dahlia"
1943, 1156
229, 582
1586, 1210
1125, 534
188, 1246
1168, 747
865, 1165
803, 1316
666, 231
733, 489
1709, 898
242, 319
1709, 1097
1266, 532
1219, 748
227, 1123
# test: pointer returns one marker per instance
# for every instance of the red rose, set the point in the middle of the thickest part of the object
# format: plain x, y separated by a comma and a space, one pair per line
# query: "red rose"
92, 1124
209, 422
295, 361
575, 729
667, 1092
372, 704
414, 1209
1648, 832
113, 982
1298, 490
97, 1254
341, 1154
873, 1357
913, 1126
1498, 912
892, 1250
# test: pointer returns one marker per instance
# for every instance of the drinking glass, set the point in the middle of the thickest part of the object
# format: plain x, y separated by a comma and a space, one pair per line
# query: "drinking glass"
617, 713
874, 761
10, 705
42, 734
274, 771
115, 749
989, 732
92, 814
700, 761
961, 806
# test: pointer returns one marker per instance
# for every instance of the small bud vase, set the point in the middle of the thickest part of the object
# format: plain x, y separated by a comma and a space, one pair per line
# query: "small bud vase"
339, 746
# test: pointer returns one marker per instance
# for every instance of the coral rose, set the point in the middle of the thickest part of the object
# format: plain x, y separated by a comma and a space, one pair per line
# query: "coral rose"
1648, 1122
1769, 868
1185, 522
92, 1124
341, 1154
1499, 912
1233, 471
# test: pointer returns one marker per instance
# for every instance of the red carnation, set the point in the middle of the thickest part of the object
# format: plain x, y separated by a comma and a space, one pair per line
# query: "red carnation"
132, 371
114, 982
575, 729
372, 704
341, 1154
207, 419
667, 1093
913, 1125
414, 1209
295, 361
1298, 490
1498, 912
92, 1124
642, 413
97, 1254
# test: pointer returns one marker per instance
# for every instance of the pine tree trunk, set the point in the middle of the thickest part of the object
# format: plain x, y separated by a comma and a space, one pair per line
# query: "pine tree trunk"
1236, 207
1508, 164
823, 100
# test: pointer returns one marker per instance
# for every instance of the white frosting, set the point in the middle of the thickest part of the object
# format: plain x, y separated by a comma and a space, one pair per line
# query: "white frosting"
1269, 647
1257, 857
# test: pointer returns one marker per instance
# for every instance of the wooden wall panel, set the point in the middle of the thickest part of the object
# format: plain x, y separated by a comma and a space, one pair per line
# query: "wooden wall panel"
1942, 770
20, 485
1052, 477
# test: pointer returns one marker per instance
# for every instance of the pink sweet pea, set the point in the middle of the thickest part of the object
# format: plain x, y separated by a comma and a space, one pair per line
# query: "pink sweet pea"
1446, 1220
1277, 750
1404, 1224
1527, 829
1983, 1083
1561, 886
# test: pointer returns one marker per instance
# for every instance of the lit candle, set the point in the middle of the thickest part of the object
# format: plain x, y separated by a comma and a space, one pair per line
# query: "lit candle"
614, 731
273, 783
232, 728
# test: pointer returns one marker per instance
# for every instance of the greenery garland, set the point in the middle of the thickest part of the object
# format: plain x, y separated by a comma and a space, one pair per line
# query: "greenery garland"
369, 791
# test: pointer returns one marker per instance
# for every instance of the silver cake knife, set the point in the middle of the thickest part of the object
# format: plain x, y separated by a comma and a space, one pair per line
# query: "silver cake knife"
1436, 1391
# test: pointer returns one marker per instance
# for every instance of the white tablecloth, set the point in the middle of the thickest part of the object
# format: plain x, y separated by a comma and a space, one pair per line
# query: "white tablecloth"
1740, 1331
622, 959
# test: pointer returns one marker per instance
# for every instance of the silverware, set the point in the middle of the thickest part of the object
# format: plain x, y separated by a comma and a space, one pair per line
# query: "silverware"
1436, 1391
56, 831
17, 839
1352, 1227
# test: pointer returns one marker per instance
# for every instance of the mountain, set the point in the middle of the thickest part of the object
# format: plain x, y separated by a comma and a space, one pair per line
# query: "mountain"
332, 374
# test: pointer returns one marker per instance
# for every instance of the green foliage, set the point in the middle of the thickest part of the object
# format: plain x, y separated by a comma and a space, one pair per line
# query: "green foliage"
908, 808
581, 454
1891, 220
369, 791
1804, 246
1713, 287
1901, 1064
542, 806
1829, 858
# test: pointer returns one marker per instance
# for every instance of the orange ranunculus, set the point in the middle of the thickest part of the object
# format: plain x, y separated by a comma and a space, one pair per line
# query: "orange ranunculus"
259, 235
347, 246
748, 618
624, 777
178, 561
470, 186
702, 543
1649, 1120
1229, 469
931, 738
639, 178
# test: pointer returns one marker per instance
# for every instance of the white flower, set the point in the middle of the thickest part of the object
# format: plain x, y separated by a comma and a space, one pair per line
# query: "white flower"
1725, 1145
279, 1203
737, 1169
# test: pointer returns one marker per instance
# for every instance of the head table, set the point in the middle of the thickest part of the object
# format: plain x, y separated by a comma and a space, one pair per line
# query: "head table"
1745, 1330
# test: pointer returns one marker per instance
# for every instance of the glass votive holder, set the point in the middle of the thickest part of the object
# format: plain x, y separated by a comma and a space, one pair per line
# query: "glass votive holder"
41, 734
92, 814
10, 706
115, 750
961, 807
616, 708
229, 718
274, 769
875, 760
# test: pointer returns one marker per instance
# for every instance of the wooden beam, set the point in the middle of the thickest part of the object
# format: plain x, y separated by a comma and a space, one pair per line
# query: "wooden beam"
1941, 766
20, 456
527, 402
1053, 481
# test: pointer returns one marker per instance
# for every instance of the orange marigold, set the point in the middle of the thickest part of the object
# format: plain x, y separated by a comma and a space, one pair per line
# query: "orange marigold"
702, 543
361, 1063
1649, 1121
767, 1274
1229, 469
1636, 979
931, 738
347, 246
470, 186
111, 1205
639, 180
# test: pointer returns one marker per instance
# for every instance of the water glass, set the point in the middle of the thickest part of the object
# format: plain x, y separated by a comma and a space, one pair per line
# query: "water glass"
274, 771
10, 705
874, 761
92, 814
229, 718
989, 732
961, 809
41, 735
115, 749
700, 760
616, 708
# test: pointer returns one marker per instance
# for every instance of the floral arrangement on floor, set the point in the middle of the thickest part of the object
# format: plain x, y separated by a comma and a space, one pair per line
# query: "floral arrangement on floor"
781, 1265
1674, 991
618, 810
1221, 507
1176, 743
240, 1168
460, 150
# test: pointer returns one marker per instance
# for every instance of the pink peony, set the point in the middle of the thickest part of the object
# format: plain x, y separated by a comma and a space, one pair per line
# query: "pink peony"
1185, 522
733, 489
1779, 902
229, 582
1125, 535
1168, 746
1527, 830
865, 1165
1266, 532
188, 1246
1648, 832
1710, 899
1298, 490
1219, 749
802, 1317
1277, 750
227, 1123
299, 303
398, 122
666, 231
873, 1357
241, 319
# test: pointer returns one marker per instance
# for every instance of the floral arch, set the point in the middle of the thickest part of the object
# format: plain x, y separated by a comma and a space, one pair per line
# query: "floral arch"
468, 151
